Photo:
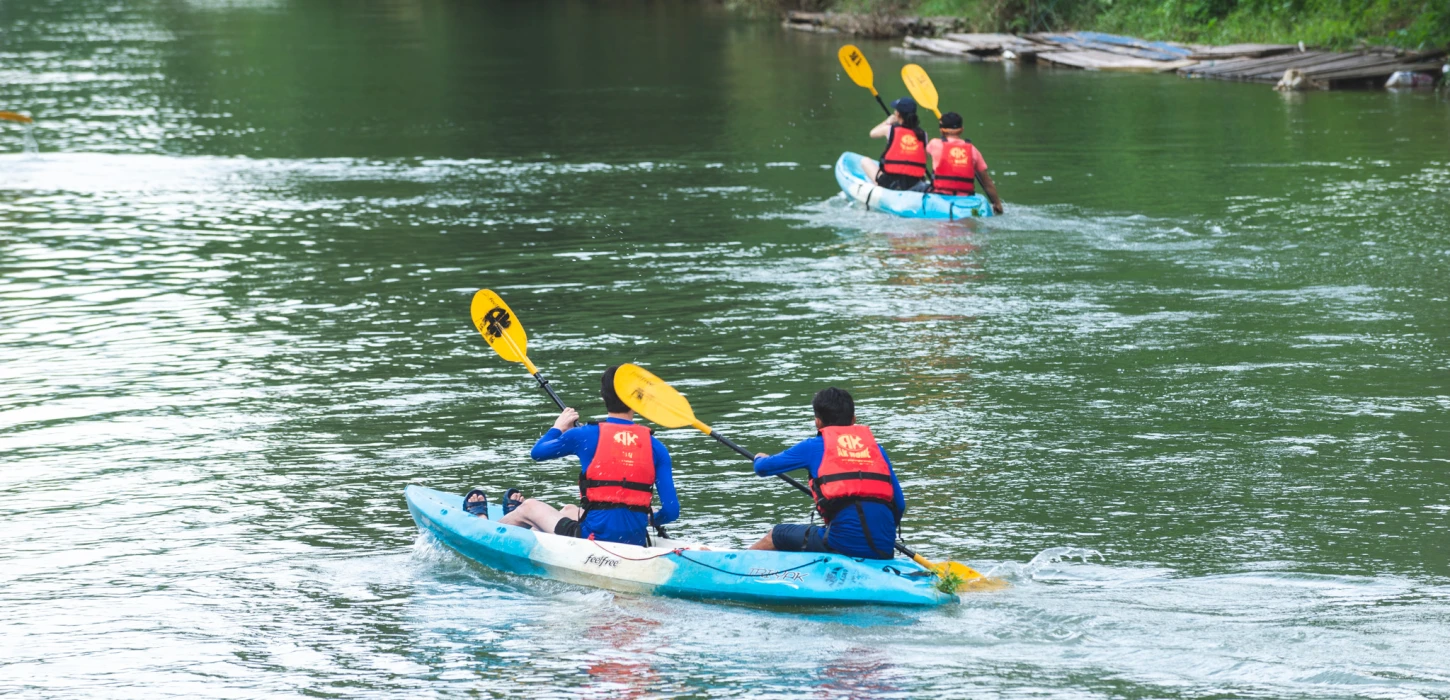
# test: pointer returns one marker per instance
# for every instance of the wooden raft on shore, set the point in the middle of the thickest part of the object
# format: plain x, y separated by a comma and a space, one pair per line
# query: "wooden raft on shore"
1109, 52
1253, 62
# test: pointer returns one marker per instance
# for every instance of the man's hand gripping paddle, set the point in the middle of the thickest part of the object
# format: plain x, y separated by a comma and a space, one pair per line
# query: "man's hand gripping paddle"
860, 71
918, 83
652, 398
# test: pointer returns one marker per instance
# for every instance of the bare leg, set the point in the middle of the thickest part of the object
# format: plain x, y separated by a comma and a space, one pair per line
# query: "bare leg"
871, 169
536, 514
764, 543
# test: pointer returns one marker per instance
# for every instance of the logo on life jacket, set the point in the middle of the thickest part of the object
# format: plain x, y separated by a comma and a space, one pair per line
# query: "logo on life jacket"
851, 447
909, 143
959, 156
626, 439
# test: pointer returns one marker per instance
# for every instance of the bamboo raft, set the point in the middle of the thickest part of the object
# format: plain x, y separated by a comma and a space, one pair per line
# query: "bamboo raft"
1250, 62
1097, 51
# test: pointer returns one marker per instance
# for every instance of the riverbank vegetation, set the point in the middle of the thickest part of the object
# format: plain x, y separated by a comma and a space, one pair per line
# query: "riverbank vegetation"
1412, 24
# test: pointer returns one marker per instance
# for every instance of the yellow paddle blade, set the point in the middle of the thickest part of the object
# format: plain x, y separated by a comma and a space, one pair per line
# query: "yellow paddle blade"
856, 66
21, 118
497, 324
966, 573
652, 398
983, 584
962, 577
919, 84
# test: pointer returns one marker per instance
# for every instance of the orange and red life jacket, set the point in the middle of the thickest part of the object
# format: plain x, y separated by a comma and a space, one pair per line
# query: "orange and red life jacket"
905, 152
956, 170
622, 473
852, 470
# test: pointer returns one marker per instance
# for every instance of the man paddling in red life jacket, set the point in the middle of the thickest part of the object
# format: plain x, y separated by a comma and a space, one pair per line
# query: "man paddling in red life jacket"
852, 481
620, 464
903, 163
957, 164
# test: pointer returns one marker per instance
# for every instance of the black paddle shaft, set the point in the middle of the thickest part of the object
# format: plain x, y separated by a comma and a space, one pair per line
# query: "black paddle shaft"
747, 454
804, 489
550, 390
884, 108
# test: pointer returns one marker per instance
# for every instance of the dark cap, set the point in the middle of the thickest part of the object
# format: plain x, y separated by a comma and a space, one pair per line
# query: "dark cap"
905, 105
951, 120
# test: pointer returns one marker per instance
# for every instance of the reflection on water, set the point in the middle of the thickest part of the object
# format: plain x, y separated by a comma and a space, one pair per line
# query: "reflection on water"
1189, 395
627, 675
857, 672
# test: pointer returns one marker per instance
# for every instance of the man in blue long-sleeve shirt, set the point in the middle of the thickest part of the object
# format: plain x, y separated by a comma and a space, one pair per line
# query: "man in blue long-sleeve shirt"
620, 463
854, 485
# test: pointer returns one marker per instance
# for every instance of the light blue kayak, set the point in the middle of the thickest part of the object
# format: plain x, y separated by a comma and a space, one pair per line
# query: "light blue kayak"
670, 567
911, 205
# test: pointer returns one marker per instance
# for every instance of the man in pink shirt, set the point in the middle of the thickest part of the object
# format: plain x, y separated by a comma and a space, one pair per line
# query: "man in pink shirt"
958, 164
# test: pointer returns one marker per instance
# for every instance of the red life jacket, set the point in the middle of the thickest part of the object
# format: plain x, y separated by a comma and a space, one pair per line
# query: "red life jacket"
905, 152
956, 170
852, 470
622, 474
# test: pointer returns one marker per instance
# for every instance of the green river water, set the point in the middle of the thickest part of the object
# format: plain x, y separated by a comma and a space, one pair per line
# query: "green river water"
1190, 395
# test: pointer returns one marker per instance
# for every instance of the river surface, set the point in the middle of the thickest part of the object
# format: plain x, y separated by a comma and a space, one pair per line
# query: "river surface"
1191, 395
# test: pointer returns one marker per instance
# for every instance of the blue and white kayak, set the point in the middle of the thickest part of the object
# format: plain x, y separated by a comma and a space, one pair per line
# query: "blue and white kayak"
911, 205
670, 567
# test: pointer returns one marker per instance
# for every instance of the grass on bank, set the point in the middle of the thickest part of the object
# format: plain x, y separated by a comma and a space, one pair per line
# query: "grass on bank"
1411, 24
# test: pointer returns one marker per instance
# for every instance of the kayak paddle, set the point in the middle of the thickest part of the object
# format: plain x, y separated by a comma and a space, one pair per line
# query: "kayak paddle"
652, 398
505, 334
918, 83
16, 117
860, 71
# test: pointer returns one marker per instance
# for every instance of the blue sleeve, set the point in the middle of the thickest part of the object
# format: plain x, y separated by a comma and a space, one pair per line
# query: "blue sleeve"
555, 444
665, 484
896, 495
802, 455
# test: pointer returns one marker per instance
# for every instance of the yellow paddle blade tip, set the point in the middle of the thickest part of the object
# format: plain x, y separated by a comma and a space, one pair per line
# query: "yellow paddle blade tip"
498, 325
16, 117
919, 84
968, 579
651, 397
982, 585
856, 66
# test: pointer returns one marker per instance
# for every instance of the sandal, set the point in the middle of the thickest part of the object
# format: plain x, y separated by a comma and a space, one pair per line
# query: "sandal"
509, 504
476, 502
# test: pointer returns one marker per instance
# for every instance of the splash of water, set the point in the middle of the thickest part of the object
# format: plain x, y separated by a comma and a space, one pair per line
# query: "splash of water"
1046, 559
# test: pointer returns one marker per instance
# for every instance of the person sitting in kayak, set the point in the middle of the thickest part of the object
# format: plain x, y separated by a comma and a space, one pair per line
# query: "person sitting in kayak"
854, 486
903, 164
957, 164
620, 464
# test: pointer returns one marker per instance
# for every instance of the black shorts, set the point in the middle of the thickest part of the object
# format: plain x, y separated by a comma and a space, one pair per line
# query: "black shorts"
799, 538
567, 527
892, 181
